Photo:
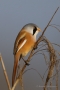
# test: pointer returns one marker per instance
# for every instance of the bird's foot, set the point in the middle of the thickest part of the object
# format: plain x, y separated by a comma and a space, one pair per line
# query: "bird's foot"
35, 47
26, 62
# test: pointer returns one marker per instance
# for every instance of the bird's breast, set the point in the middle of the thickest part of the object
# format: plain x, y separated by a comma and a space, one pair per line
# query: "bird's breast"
30, 41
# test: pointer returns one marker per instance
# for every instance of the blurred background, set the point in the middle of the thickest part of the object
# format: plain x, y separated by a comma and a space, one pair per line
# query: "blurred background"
14, 14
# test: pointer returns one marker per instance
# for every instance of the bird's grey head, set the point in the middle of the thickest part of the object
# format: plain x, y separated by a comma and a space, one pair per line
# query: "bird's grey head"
32, 28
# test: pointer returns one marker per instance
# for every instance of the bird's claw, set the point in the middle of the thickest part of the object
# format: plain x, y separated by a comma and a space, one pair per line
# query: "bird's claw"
27, 63
35, 47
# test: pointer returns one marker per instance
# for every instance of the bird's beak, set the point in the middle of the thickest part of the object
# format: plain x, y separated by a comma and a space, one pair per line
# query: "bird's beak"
39, 30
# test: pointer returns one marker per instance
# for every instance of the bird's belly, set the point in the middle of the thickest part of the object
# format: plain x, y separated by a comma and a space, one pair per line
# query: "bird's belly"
30, 41
27, 47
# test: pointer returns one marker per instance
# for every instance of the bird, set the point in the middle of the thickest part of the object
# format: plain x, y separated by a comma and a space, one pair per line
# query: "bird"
24, 43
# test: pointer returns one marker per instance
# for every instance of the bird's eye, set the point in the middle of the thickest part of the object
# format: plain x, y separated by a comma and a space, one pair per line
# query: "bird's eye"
34, 30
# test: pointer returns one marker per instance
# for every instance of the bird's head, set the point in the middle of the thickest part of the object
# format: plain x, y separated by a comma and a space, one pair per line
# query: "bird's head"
32, 29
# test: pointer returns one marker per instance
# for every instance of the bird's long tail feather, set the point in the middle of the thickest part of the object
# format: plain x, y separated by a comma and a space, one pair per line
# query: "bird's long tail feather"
15, 68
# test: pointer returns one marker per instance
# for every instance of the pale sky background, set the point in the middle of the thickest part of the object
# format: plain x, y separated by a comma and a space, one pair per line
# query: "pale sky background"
14, 14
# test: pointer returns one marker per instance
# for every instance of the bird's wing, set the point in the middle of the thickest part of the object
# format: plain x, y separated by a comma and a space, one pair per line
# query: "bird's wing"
22, 44
19, 42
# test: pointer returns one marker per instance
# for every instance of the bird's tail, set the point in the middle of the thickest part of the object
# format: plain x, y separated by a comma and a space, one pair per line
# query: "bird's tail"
15, 68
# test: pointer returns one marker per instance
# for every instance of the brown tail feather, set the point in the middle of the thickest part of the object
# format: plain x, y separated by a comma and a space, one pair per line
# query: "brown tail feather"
15, 68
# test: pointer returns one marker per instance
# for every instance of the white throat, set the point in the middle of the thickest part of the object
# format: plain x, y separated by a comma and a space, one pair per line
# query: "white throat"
36, 33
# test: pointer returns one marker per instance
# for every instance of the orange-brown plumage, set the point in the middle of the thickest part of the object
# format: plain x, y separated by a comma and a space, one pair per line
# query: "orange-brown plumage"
23, 44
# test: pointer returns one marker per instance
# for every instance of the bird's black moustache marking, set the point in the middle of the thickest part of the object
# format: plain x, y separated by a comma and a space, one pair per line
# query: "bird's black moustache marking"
34, 30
